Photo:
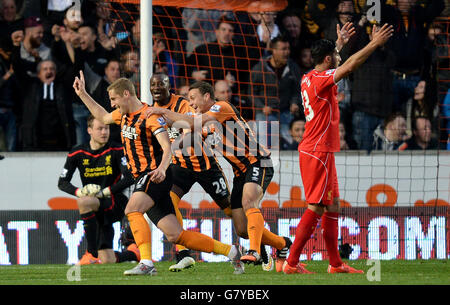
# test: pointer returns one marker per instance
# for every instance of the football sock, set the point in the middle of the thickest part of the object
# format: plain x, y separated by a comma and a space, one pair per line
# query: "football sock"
255, 227
90, 230
303, 232
232, 253
330, 236
273, 240
175, 201
195, 241
221, 248
147, 262
201, 242
141, 233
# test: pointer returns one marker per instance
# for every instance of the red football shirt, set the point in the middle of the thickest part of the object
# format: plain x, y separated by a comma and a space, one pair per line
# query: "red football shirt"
319, 95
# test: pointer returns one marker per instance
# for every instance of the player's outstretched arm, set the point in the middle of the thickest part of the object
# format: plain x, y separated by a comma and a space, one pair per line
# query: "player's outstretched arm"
180, 120
97, 111
379, 37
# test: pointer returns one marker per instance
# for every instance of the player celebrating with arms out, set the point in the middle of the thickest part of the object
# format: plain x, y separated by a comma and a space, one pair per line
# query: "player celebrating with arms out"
320, 142
147, 148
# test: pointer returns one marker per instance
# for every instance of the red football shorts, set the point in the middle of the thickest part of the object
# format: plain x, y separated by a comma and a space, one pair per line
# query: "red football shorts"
319, 177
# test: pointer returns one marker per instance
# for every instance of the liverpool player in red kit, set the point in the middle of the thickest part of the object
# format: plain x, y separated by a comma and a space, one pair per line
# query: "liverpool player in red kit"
320, 142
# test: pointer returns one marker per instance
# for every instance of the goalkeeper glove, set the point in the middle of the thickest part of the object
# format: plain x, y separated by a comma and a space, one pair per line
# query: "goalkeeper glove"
79, 193
106, 192
91, 190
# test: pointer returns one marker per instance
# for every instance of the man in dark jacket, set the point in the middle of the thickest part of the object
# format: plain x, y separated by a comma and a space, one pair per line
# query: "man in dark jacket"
47, 115
88, 55
422, 136
9, 104
275, 86
391, 134
30, 50
221, 59
409, 21
371, 97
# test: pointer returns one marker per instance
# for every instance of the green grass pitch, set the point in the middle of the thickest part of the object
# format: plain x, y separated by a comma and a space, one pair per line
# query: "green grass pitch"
396, 272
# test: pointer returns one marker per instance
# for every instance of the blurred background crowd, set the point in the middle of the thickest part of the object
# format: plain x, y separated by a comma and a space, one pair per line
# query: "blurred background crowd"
398, 100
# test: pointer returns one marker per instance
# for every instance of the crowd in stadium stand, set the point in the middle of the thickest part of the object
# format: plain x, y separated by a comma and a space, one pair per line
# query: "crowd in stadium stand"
254, 59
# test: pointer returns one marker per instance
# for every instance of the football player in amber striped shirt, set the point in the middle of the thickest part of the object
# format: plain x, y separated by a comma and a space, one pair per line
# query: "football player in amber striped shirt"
147, 147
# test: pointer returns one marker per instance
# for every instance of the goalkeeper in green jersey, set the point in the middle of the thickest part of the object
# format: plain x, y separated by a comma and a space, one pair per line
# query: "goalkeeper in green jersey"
101, 202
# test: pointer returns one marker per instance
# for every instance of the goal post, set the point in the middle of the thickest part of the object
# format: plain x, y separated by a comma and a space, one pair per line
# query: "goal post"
146, 47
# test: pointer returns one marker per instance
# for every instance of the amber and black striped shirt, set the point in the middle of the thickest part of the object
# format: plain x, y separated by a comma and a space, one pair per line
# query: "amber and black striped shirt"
188, 149
140, 146
238, 143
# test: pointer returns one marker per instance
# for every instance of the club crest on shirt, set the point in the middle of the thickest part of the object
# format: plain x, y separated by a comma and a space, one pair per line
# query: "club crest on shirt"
330, 195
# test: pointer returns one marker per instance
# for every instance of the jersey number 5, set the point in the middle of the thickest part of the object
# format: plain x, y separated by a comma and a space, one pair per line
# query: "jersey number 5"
309, 112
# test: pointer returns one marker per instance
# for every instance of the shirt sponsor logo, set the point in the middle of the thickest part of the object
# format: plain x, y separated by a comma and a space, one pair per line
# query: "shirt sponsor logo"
98, 171
129, 132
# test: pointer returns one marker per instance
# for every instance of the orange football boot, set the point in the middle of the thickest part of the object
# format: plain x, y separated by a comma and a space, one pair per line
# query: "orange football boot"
300, 268
344, 268
88, 259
